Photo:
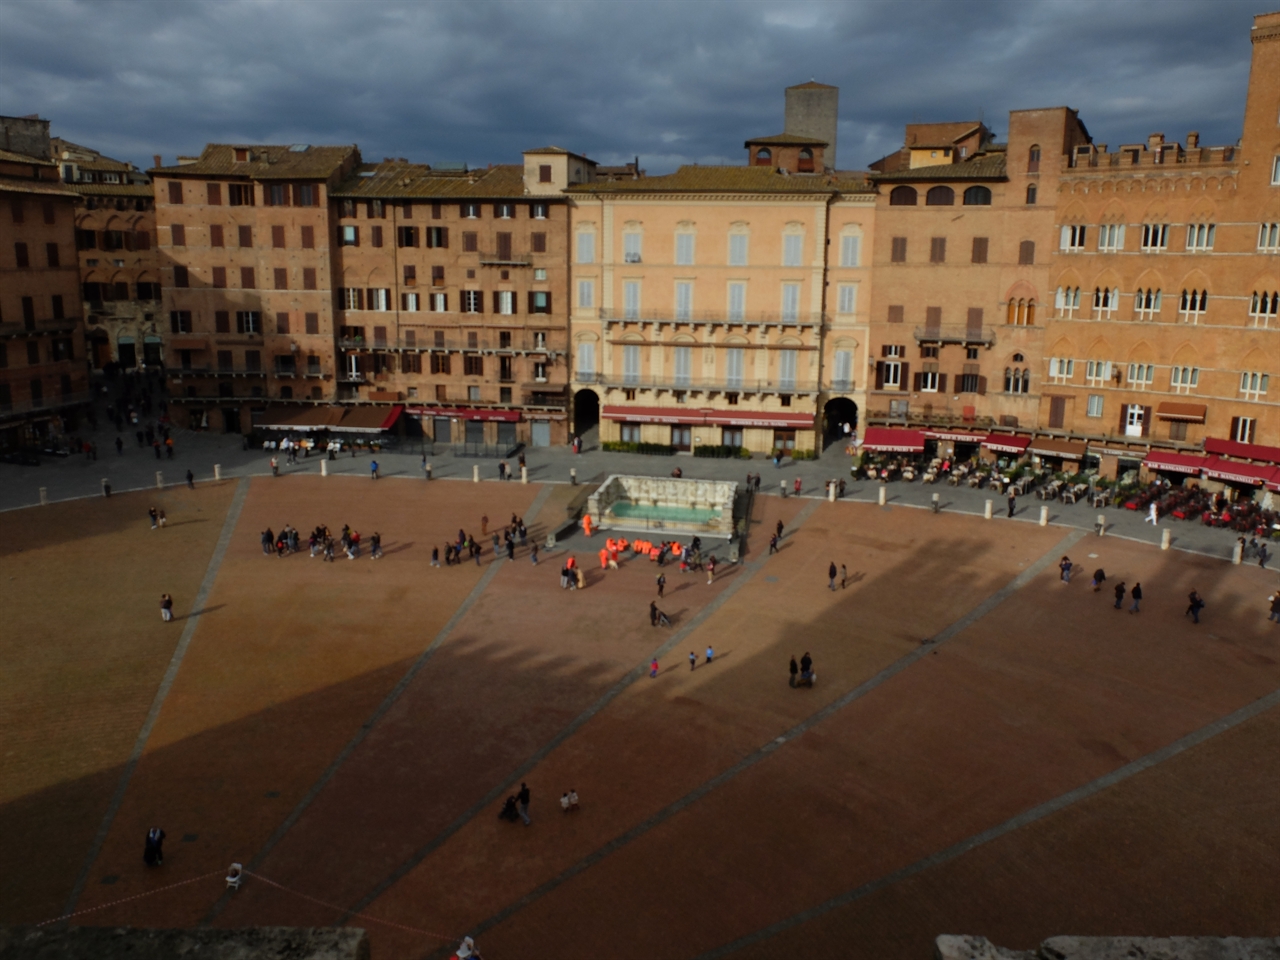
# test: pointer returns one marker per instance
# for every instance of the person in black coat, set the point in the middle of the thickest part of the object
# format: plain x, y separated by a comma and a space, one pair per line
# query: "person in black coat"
153, 852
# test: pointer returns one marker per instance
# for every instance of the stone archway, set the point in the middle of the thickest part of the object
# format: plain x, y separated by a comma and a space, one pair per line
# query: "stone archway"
838, 412
586, 411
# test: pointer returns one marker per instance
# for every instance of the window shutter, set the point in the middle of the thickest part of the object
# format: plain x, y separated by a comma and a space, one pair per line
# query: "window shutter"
247, 279
915, 382
933, 318
313, 322
308, 278
175, 191
297, 194
942, 383
277, 237
282, 278
239, 321
282, 323
548, 310
902, 383
879, 374
973, 320
496, 306
214, 191
982, 386
895, 315
1146, 421
479, 301
531, 304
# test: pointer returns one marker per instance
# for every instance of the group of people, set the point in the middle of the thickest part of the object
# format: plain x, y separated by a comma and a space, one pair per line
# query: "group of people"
1195, 602
802, 674
321, 543
158, 519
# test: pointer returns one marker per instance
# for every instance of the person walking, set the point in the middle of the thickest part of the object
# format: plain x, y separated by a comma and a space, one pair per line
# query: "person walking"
831, 576
653, 664
268, 542
1275, 607
662, 584
1065, 566
1263, 556
1013, 501
119, 447
1119, 594
1136, 595
373, 469
155, 517
693, 660
275, 467
435, 556
191, 480
710, 653
773, 544
806, 668
1153, 516
162, 519
711, 570
375, 546
523, 799
794, 669
533, 554
166, 607
1194, 605
796, 486
1099, 578
778, 530
153, 851
653, 613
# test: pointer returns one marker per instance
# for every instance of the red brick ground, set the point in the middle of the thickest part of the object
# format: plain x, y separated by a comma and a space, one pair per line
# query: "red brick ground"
1050, 690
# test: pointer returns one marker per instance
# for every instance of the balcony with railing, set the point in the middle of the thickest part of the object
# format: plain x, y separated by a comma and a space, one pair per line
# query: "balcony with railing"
216, 370
747, 318
957, 334
743, 385
516, 345
20, 408
505, 258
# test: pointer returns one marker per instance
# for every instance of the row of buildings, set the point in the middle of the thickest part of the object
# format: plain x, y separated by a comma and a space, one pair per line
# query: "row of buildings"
1108, 299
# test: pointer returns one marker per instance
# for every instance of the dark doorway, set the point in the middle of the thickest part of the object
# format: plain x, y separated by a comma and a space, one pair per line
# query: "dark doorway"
586, 411
128, 354
230, 420
682, 437
838, 412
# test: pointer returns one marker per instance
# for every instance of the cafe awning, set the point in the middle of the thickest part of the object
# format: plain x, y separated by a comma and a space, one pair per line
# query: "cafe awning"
301, 419
1006, 443
957, 436
1186, 412
890, 440
1243, 451
368, 419
1066, 449
1174, 462
458, 413
1229, 470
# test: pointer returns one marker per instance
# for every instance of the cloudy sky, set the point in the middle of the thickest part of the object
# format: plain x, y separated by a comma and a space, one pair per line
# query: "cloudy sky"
674, 82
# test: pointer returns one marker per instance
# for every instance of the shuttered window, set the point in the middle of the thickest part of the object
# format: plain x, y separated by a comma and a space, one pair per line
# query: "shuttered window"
737, 302
787, 369
979, 250
842, 372
734, 363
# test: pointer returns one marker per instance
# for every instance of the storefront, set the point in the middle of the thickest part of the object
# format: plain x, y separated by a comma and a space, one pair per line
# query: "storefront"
1060, 456
1174, 467
686, 429
892, 440
477, 427
1244, 478
1004, 448
957, 445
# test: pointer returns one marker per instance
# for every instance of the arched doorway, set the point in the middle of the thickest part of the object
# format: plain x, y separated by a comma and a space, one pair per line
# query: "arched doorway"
838, 412
586, 411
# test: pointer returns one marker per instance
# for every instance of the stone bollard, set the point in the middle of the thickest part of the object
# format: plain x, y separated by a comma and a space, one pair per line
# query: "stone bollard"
573, 475
428, 471
44, 496
831, 492
324, 468
986, 510
159, 480
475, 473
1166, 537
882, 495
1237, 553
1044, 516
1101, 524
524, 474
935, 503
106, 487
782, 488
217, 471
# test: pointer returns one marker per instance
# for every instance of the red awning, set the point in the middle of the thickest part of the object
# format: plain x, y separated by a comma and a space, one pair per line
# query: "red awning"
959, 436
783, 421
654, 414
890, 440
1189, 412
1255, 473
1006, 443
1174, 462
1245, 451
368, 419
510, 416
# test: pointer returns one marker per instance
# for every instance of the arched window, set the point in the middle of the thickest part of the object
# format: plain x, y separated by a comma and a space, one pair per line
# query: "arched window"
977, 197
1033, 159
806, 160
902, 197
1031, 194
940, 197
764, 157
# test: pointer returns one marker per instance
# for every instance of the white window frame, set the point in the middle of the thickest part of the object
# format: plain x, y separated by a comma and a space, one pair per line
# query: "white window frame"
472, 301
928, 381
350, 298
1275, 171
850, 250
790, 303
631, 364
506, 302
585, 246
739, 249
1093, 406
1067, 301
1111, 238
793, 249
411, 303
1105, 302
1097, 373
1073, 237
1061, 369
686, 248
1200, 236
847, 298
350, 236
1245, 427
439, 302
632, 246
1192, 305
1269, 237
1264, 307
737, 302
1184, 379
684, 300
1155, 237
586, 294
892, 374
1253, 385
1141, 375
471, 211
378, 299
1146, 304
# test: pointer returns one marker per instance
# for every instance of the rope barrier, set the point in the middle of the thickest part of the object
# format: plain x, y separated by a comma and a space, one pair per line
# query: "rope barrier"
136, 896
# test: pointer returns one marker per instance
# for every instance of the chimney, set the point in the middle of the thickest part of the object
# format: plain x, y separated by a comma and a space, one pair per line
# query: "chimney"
1154, 141
1193, 140
156, 158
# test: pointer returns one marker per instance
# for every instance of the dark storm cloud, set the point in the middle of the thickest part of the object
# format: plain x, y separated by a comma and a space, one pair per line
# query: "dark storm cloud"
671, 81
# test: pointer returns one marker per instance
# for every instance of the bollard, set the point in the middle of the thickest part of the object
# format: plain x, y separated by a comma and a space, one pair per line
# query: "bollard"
159, 480
428, 471
324, 468
782, 488
573, 475
831, 492
935, 504
1166, 536
44, 496
106, 487
1044, 516
475, 473
882, 495
1101, 524
1237, 553
524, 474
217, 471
986, 510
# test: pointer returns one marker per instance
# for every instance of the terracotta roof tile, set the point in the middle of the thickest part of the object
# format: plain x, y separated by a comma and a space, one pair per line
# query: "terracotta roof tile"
984, 166
789, 139
46, 188
112, 189
736, 179
267, 162
395, 180
13, 157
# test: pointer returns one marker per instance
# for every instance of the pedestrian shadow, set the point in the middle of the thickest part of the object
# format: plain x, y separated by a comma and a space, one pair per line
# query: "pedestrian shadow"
201, 611
182, 523
856, 577
398, 548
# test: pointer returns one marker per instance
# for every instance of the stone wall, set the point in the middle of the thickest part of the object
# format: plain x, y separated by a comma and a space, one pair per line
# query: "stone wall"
118, 943
952, 947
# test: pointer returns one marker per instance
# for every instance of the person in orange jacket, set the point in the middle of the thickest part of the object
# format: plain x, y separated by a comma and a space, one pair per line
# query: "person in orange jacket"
586, 524
604, 559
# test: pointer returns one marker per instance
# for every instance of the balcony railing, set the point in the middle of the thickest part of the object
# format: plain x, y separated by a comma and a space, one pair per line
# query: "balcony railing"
214, 370
496, 259
746, 318
20, 408
957, 334
42, 328
517, 345
700, 384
